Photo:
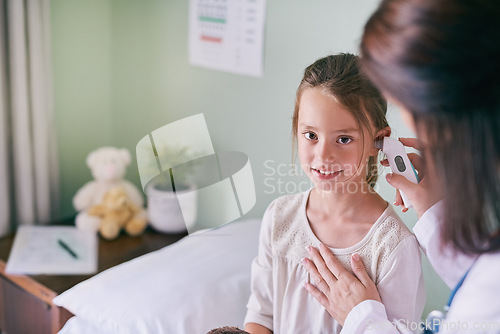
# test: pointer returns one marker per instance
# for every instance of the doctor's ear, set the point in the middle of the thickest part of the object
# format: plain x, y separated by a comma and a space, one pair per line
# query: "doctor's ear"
385, 132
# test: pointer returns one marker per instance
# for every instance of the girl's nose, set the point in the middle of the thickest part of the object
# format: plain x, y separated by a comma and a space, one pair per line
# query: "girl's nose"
325, 151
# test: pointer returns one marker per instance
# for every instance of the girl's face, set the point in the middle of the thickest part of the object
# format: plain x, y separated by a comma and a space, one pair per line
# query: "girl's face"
331, 148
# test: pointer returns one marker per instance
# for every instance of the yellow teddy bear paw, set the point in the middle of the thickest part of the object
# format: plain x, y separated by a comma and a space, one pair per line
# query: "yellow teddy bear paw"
135, 227
109, 231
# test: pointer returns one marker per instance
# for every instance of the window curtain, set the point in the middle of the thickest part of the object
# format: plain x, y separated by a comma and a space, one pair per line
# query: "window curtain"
28, 158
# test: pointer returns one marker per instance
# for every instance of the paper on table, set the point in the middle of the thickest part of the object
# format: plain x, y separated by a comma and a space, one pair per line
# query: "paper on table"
36, 250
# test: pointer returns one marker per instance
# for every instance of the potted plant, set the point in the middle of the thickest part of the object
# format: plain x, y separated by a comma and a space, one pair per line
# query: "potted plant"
163, 192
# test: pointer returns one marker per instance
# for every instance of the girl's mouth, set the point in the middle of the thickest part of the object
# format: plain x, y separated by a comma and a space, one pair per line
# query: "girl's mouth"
325, 175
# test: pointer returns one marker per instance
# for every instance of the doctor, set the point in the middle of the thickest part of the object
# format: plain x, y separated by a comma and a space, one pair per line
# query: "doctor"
439, 61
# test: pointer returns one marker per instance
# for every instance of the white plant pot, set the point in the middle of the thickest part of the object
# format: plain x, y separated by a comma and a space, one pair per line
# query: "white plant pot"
164, 211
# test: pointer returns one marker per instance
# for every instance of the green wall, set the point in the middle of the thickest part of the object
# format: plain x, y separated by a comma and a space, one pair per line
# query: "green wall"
81, 56
121, 70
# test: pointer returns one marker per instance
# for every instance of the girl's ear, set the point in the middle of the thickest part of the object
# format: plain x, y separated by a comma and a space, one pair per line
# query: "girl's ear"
385, 132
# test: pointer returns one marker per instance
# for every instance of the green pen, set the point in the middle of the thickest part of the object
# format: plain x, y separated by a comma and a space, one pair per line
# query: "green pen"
67, 248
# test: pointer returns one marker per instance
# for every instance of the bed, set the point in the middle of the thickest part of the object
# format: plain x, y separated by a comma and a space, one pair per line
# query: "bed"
197, 284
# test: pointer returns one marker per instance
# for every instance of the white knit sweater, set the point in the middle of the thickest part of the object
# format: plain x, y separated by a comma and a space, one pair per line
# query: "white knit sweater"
280, 302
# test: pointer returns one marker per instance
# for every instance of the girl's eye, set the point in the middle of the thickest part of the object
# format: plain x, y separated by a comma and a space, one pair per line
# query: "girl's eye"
310, 135
344, 140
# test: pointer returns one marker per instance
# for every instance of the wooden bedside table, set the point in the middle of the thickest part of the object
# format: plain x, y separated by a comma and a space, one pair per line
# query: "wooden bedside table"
26, 301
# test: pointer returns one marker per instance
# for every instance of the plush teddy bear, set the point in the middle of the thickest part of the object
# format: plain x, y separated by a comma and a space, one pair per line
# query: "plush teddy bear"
107, 165
116, 212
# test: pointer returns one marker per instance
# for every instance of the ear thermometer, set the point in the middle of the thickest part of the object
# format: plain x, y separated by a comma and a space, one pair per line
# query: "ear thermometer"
399, 162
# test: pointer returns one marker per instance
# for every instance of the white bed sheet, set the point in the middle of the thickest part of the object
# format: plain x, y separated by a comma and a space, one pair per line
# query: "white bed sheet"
197, 284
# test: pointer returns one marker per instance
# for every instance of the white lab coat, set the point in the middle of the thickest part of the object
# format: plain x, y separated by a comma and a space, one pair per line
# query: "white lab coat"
476, 306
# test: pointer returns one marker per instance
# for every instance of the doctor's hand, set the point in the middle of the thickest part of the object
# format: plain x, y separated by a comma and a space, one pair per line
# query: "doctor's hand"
335, 288
422, 195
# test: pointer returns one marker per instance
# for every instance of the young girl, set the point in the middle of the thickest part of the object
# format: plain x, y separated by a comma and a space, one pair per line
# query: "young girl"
338, 116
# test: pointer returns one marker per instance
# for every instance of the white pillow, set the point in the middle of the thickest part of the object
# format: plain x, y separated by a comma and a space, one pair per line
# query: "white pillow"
197, 284
76, 325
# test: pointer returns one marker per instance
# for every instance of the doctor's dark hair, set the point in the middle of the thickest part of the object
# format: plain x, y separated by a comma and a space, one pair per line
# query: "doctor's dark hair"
339, 76
440, 60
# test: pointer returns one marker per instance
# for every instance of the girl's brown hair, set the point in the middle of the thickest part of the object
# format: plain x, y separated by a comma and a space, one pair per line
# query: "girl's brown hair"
440, 60
339, 76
